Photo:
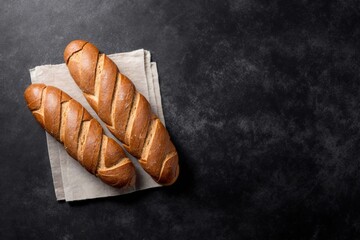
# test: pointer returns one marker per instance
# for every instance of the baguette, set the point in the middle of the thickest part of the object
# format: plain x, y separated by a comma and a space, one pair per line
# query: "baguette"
82, 136
124, 110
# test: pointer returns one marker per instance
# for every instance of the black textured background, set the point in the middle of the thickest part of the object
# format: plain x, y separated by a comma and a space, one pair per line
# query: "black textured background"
261, 99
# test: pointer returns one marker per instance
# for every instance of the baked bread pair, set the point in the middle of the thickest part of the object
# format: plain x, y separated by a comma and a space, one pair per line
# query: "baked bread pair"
126, 113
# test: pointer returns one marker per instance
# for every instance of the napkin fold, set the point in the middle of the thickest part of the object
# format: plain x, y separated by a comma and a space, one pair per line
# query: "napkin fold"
71, 181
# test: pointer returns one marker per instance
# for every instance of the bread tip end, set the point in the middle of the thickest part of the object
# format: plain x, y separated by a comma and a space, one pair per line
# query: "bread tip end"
73, 47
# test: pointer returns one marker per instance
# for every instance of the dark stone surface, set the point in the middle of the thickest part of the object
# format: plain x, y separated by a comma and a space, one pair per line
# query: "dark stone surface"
261, 99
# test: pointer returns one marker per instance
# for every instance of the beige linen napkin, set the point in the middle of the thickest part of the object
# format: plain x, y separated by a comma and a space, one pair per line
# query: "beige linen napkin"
71, 181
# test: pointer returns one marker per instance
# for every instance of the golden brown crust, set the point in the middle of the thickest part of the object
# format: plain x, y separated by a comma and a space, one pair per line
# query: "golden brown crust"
138, 125
34, 96
106, 90
120, 111
52, 105
111, 176
125, 111
88, 55
82, 136
92, 146
72, 127
75, 47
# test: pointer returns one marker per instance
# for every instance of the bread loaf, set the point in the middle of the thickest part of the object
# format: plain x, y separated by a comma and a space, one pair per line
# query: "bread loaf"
124, 110
82, 136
